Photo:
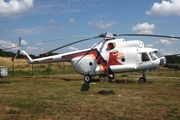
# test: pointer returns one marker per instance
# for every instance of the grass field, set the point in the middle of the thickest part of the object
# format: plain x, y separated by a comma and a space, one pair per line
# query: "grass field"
59, 96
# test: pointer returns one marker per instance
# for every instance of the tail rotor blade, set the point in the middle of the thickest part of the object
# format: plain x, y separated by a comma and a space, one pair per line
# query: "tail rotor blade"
15, 56
19, 43
18, 52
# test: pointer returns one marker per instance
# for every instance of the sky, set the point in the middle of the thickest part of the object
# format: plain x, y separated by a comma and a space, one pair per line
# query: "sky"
42, 22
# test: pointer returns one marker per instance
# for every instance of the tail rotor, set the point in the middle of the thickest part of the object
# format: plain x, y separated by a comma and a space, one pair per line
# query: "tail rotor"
18, 52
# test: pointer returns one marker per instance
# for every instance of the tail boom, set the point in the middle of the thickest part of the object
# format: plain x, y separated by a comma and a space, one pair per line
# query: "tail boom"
64, 57
27, 57
49, 59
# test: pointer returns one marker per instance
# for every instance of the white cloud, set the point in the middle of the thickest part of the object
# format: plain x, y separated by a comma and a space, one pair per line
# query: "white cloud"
6, 44
9, 46
164, 52
68, 11
164, 42
166, 8
51, 21
55, 7
38, 43
73, 48
23, 42
29, 31
102, 24
31, 49
71, 20
149, 45
144, 28
14, 7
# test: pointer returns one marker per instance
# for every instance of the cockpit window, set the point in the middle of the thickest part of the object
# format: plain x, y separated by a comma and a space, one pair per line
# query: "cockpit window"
158, 54
153, 55
145, 57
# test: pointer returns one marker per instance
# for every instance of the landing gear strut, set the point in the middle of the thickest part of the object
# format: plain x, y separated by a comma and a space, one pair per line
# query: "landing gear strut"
142, 79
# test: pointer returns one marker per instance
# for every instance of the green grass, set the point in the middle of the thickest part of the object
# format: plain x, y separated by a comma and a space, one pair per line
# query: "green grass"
59, 97
42, 69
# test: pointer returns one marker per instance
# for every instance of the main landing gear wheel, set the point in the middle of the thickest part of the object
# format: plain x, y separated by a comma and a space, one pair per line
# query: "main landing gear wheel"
87, 78
142, 80
110, 77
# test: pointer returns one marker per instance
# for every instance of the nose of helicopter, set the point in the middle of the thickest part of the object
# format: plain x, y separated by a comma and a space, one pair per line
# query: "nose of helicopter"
162, 61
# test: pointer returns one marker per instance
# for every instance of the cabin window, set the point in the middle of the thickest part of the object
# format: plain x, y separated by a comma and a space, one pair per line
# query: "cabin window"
145, 57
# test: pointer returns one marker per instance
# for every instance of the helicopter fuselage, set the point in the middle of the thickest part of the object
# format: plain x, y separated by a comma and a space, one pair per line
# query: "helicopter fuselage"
108, 57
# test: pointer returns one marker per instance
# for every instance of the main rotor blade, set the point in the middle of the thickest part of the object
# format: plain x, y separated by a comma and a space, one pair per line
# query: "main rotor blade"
150, 35
173, 55
40, 42
10, 48
72, 44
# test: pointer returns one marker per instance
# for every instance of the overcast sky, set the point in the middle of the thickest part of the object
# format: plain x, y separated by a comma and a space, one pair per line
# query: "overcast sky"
43, 20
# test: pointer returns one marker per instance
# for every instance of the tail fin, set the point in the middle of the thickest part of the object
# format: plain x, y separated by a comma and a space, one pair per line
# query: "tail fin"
28, 58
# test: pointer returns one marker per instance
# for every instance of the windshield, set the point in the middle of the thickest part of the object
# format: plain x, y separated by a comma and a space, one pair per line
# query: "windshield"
153, 55
158, 54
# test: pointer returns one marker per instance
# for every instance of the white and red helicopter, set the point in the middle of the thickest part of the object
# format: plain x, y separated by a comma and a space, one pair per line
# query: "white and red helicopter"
108, 57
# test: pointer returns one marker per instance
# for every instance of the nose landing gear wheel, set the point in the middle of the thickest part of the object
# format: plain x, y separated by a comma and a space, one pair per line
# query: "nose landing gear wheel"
142, 80
87, 78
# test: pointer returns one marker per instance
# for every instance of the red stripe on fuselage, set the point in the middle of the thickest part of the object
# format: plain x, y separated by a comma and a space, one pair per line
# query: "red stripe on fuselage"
96, 56
26, 57
49, 59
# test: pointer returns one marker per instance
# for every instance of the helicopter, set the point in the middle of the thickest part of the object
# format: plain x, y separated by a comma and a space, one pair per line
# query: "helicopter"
107, 57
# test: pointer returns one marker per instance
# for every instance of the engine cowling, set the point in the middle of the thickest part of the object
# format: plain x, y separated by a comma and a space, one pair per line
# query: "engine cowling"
83, 64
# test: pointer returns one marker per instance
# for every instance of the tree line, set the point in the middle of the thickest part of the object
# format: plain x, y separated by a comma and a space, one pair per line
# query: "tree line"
173, 59
12, 54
